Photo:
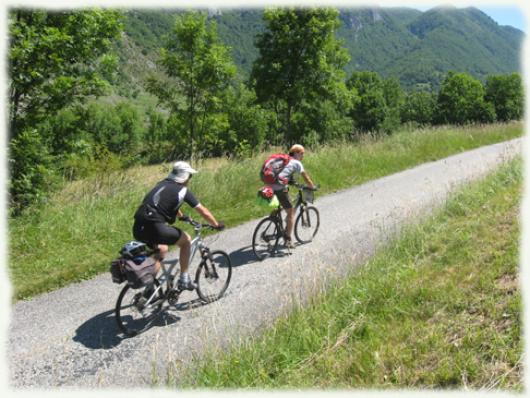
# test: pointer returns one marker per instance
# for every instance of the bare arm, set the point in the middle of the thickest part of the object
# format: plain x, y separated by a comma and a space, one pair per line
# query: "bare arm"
205, 213
307, 179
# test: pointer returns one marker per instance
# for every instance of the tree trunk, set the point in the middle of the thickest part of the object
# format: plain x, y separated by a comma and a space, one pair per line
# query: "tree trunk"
12, 133
288, 135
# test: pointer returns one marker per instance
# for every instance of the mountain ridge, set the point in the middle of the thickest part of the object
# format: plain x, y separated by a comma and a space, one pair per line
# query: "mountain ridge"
417, 47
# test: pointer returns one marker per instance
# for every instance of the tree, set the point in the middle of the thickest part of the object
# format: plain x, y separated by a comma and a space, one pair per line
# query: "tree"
299, 60
55, 59
418, 107
157, 146
394, 99
461, 100
248, 123
131, 130
505, 93
378, 104
201, 69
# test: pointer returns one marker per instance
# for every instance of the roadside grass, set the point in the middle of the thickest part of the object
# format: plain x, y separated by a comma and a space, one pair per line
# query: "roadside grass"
82, 227
440, 307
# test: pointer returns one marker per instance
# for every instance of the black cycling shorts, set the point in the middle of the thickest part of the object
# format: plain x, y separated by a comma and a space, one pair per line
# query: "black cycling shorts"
156, 233
283, 198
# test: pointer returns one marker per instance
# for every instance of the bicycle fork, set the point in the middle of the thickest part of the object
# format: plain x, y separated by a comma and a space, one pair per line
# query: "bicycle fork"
306, 222
209, 266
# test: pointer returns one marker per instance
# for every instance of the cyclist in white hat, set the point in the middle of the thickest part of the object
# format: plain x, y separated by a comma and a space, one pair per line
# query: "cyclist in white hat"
161, 207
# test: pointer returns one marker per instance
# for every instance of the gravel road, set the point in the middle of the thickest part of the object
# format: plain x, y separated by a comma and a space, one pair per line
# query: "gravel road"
69, 338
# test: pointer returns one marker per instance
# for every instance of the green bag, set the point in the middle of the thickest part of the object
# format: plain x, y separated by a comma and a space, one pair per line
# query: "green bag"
262, 202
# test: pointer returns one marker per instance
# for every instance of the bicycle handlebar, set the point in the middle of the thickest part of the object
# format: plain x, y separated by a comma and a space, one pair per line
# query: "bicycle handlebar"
198, 225
303, 186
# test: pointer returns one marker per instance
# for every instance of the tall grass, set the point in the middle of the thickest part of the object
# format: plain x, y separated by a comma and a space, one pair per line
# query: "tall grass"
438, 308
83, 226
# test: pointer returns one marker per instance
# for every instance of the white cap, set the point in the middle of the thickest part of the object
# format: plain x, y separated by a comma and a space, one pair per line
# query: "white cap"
181, 171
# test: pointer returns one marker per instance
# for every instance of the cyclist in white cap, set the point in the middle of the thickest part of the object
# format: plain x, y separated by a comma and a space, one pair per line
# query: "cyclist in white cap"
161, 207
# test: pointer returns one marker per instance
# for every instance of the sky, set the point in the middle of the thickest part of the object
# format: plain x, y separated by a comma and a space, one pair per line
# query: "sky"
503, 15
513, 16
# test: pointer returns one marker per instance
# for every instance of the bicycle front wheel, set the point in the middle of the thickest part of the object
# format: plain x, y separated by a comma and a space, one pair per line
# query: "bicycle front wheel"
213, 276
307, 224
265, 238
138, 309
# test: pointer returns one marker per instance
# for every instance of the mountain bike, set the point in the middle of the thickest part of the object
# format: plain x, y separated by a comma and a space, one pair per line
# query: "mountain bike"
269, 230
138, 309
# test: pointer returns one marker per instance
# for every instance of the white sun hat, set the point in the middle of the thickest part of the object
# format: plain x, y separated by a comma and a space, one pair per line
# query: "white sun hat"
181, 171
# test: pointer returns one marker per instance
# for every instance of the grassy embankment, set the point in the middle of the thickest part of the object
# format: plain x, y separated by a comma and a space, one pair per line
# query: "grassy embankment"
82, 227
438, 308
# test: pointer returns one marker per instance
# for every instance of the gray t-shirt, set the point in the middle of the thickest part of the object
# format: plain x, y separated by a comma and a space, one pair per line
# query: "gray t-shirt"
294, 166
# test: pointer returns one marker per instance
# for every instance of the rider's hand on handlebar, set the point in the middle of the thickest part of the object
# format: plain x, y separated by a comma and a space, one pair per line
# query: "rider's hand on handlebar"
185, 218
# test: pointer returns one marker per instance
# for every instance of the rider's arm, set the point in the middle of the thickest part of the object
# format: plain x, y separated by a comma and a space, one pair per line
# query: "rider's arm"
307, 179
205, 213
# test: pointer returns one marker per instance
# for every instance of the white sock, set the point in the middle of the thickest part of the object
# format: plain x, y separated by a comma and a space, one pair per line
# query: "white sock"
184, 276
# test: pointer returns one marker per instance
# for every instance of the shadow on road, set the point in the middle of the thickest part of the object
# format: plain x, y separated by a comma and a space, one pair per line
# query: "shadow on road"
245, 256
101, 331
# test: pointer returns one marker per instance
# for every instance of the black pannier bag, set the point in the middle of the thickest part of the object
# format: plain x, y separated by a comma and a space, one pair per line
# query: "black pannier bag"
117, 270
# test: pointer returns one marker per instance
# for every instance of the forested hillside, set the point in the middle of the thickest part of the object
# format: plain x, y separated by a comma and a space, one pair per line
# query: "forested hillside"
416, 47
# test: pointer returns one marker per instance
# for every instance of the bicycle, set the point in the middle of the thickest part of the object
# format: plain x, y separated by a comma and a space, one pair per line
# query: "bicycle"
137, 309
269, 230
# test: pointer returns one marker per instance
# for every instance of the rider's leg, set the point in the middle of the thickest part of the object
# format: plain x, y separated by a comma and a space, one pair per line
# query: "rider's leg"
286, 204
184, 243
290, 222
160, 255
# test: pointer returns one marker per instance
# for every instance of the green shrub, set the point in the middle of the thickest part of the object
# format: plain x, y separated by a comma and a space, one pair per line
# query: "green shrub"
418, 107
461, 100
505, 93
31, 171
379, 102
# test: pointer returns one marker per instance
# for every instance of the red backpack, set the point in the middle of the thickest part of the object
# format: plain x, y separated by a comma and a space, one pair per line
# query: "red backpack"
272, 167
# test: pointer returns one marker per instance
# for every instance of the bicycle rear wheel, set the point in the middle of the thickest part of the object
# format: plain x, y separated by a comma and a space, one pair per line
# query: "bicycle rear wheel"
307, 224
213, 276
136, 310
265, 238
